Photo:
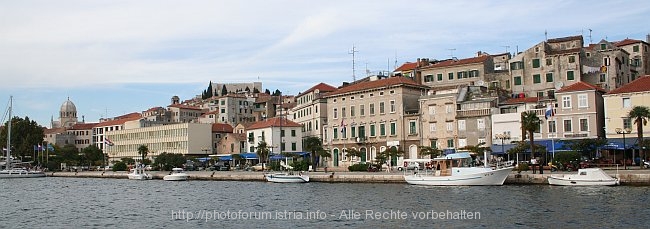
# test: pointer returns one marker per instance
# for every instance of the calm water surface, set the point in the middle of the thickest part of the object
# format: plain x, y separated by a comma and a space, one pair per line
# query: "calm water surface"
85, 202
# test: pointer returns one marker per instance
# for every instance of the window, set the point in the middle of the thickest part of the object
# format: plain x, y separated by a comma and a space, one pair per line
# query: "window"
354, 132
428, 78
450, 126
603, 46
382, 129
549, 77
540, 94
283, 146
627, 123
551, 127
461, 124
392, 106
336, 133
584, 124
582, 100
549, 61
432, 127
372, 109
572, 59
462, 142
372, 130
433, 144
336, 113
451, 76
567, 125
473, 73
566, 101
448, 108
393, 128
293, 133
412, 128
537, 78
626, 102
344, 132
517, 80
535, 63
343, 114
507, 84
281, 133
480, 124
293, 146
450, 143
432, 110
439, 76
362, 110
635, 48
352, 111
569, 75
381, 107
517, 65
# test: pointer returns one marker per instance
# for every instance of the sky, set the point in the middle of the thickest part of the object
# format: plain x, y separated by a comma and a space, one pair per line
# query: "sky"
116, 57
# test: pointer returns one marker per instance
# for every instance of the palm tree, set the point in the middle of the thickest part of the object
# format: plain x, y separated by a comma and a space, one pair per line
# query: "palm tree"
479, 150
432, 152
314, 146
352, 153
529, 124
640, 114
143, 150
262, 151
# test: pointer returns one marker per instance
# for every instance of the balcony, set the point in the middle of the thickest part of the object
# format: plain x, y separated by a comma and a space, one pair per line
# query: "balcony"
473, 113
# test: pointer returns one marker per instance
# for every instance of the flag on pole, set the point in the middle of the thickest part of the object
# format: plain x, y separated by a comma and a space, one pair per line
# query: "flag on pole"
50, 147
40, 148
342, 125
108, 142
549, 111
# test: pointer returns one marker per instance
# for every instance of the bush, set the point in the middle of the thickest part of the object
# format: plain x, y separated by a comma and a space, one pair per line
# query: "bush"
300, 165
119, 166
522, 167
358, 168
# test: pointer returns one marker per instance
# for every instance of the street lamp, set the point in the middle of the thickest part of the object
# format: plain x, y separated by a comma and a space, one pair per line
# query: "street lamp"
623, 132
205, 163
503, 137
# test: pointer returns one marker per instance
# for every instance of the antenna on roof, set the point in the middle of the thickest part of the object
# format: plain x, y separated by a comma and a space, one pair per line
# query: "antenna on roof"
451, 53
506, 46
545, 35
354, 77
590, 36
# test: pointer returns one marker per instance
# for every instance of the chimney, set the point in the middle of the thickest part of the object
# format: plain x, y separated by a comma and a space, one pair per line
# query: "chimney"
478, 54
647, 38
418, 63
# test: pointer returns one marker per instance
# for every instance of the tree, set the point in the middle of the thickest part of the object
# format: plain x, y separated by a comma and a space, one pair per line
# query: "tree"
255, 90
640, 114
119, 166
530, 124
478, 149
128, 160
69, 154
247, 89
314, 145
25, 134
352, 153
277, 92
389, 153
432, 152
166, 161
262, 151
585, 146
267, 91
224, 91
93, 155
143, 150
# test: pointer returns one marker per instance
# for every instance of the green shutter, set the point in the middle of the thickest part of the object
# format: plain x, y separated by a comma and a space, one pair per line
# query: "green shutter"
451, 75
569, 75
537, 78
517, 80
549, 77
535, 63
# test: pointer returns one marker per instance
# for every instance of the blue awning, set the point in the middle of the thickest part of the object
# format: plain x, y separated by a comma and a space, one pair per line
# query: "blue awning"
203, 159
276, 157
499, 149
617, 144
225, 157
249, 156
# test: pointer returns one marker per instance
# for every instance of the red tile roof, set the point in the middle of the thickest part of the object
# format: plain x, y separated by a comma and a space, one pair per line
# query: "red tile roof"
273, 122
376, 84
181, 106
447, 63
53, 131
407, 67
521, 100
638, 85
125, 118
580, 86
627, 42
563, 39
221, 128
322, 88
83, 126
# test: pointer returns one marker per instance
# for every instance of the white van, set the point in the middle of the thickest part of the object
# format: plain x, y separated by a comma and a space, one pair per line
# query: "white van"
413, 164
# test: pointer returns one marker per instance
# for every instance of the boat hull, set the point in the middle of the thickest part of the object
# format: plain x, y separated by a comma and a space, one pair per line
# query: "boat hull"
470, 177
176, 177
20, 174
140, 177
585, 177
286, 178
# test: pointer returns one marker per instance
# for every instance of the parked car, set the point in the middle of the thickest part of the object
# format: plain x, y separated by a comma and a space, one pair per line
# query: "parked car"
258, 167
220, 166
412, 165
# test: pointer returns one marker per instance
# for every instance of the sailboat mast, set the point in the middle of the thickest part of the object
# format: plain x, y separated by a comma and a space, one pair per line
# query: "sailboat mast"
8, 160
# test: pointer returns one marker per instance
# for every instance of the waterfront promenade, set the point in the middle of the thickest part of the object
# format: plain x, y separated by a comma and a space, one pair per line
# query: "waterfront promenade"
628, 177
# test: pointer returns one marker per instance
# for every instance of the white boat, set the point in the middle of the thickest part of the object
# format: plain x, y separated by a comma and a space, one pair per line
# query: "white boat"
177, 174
287, 177
9, 171
139, 173
454, 170
585, 177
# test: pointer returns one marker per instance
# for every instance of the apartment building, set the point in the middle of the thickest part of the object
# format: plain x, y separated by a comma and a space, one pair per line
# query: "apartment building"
639, 55
311, 110
281, 135
618, 104
455, 72
578, 113
234, 109
605, 65
438, 118
370, 116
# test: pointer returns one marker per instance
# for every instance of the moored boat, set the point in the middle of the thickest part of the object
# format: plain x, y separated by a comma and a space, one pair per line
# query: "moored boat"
287, 177
139, 173
177, 174
9, 171
584, 177
455, 170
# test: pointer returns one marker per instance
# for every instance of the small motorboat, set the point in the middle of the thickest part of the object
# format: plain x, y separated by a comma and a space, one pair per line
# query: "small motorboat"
177, 174
287, 177
138, 173
585, 177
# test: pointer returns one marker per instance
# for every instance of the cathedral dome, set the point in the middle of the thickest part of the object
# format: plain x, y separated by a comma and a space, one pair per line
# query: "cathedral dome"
68, 107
